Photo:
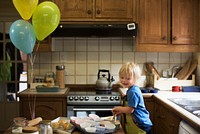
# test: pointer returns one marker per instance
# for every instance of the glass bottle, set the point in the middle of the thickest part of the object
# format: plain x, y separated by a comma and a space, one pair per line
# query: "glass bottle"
45, 127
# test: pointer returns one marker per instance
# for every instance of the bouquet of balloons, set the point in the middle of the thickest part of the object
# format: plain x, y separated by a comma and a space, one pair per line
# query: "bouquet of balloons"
25, 32
45, 19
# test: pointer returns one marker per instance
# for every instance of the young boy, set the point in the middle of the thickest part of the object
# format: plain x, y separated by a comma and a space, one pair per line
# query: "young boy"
128, 75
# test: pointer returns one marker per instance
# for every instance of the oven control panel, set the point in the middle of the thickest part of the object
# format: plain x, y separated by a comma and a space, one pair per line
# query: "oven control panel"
94, 100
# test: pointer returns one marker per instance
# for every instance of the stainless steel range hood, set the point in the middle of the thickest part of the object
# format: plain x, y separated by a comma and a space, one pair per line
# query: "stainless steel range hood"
96, 30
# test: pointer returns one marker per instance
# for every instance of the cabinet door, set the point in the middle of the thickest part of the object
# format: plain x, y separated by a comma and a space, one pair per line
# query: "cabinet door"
153, 21
47, 108
165, 121
115, 9
185, 24
75, 9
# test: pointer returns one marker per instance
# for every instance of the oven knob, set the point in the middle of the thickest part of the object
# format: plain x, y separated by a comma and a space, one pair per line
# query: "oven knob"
86, 98
71, 98
81, 98
111, 98
76, 98
116, 97
97, 98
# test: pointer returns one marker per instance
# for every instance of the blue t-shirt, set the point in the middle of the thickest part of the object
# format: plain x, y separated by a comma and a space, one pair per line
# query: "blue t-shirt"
140, 114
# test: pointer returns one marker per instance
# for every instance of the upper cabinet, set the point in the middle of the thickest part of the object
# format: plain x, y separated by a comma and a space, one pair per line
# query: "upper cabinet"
96, 10
168, 25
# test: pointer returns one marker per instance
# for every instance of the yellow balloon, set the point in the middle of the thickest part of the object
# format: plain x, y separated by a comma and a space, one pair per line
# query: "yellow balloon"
25, 7
45, 19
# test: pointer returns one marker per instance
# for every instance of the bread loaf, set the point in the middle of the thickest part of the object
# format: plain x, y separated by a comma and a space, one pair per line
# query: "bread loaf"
35, 121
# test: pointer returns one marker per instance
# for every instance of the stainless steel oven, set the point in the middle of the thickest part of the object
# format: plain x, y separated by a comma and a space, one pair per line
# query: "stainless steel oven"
83, 103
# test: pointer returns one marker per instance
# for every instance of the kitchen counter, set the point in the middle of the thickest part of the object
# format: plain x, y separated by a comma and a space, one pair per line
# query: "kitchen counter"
163, 97
32, 91
183, 114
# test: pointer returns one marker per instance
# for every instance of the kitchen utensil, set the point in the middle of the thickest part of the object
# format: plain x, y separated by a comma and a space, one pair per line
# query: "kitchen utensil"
191, 69
103, 83
175, 70
183, 72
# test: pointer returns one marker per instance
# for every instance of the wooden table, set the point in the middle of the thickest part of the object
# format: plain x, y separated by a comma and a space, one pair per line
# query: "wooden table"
76, 131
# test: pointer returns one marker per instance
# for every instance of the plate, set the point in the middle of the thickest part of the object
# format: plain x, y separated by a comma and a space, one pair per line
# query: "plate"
62, 125
42, 88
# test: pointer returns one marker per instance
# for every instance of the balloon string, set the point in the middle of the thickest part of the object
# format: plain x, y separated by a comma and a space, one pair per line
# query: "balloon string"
32, 60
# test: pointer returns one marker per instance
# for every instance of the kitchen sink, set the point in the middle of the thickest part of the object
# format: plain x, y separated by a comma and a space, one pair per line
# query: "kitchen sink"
190, 104
186, 101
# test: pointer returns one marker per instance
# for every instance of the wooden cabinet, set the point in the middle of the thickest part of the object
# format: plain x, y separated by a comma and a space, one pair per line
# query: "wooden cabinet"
47, 105
149, 103
96, 10
165, 121
47, 108
168, 25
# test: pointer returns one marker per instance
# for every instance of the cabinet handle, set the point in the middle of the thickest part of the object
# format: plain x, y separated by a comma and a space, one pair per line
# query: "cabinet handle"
98, 11
164, 38
89, 11
172, 125
174, 38
161, 117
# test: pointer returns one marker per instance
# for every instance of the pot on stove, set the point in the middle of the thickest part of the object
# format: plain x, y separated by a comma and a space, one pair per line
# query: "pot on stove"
103, 83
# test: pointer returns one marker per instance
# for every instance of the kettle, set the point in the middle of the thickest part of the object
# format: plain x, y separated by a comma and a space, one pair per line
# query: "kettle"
103, 83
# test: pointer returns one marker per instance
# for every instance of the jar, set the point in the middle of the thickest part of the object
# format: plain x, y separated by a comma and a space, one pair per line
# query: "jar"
60, 76
45, 127
18, 124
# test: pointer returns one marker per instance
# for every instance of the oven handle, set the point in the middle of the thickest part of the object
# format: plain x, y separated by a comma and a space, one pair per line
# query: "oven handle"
92, 109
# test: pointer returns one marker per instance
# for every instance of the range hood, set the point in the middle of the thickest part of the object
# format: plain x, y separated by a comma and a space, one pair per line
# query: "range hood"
96, 30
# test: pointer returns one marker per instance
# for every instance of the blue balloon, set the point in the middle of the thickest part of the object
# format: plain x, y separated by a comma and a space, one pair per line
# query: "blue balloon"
22, 36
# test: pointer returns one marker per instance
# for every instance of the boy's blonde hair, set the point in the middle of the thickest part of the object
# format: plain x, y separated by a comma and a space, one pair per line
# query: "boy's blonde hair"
130, 69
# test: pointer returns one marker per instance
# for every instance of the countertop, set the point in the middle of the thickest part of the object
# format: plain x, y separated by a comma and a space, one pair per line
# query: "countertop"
32, 91
163, 97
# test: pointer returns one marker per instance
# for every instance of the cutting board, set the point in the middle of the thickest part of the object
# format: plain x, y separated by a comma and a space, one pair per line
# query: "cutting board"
184, 71
193, 66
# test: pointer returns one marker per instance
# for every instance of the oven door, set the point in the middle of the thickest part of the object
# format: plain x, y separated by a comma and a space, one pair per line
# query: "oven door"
81, 111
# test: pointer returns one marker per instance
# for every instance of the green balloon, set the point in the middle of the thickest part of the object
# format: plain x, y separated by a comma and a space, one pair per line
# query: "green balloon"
45, 19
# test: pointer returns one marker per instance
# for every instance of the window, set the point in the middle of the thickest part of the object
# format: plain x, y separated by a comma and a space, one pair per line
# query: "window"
13, 66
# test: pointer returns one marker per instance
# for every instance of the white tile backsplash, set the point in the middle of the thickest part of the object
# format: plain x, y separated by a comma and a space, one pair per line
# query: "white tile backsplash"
83, 57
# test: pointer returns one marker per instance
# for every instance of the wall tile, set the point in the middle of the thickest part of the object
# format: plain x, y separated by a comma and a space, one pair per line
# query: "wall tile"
185, 57
93, 44
104, 57
80, 57
175, 58
104, 44
81, 45
44, 68
69, 69
69, 44
115, 69
116, 45
55, 57
163, 58
80, 79
152, 57
67, 57
93, 57
127, 45
116, 57
140, 57
104, 66
45, 57
92, 69
70, 80
57, 44
128, 57
92, 79
81, 69
83, 57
